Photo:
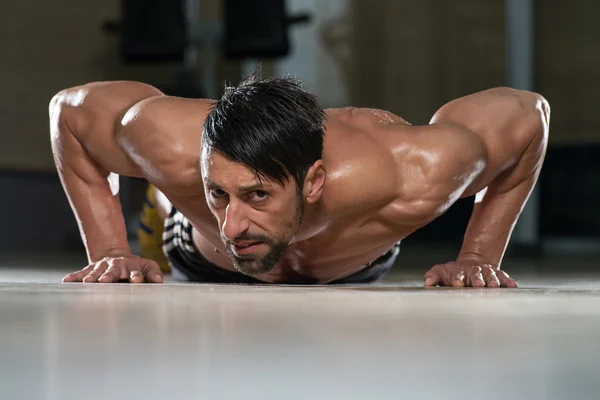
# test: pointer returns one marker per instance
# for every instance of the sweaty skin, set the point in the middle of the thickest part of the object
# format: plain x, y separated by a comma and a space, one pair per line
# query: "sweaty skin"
382, 180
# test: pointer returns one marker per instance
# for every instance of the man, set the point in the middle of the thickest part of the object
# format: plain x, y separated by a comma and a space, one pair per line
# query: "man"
265, 186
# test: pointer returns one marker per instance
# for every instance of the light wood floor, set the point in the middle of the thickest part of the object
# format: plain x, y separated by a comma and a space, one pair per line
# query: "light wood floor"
393, 340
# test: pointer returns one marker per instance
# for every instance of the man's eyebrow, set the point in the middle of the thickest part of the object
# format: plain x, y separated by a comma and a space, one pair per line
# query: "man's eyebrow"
211, 184
247, 188
252, 187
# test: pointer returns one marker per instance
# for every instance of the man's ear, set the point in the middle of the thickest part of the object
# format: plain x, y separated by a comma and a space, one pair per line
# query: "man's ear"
314, 182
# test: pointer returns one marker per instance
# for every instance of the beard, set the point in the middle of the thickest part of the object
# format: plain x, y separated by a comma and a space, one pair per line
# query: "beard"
256, 266
252, 265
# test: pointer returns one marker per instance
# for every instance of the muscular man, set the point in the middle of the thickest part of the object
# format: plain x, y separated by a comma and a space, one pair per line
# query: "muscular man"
265, 186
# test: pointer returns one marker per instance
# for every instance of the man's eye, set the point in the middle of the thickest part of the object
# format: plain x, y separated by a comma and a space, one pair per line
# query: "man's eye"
218, 193
259, 195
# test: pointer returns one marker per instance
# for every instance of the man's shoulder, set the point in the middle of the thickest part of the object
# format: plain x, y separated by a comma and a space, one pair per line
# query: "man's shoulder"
370, 116
361, 174
163, 111
162, 136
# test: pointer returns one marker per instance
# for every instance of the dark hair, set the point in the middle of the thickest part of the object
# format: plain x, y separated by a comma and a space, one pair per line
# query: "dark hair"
271, 125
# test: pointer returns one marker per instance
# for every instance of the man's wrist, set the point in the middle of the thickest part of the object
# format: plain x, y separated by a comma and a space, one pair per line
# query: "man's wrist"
476, 257
113, 252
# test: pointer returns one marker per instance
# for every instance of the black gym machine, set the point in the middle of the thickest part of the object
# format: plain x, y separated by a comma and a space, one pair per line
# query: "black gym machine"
159, 31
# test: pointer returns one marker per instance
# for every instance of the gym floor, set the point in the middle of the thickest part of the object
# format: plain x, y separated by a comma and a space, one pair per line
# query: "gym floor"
386, 341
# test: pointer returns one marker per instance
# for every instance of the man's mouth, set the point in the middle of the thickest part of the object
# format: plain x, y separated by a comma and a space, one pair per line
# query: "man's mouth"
243, 248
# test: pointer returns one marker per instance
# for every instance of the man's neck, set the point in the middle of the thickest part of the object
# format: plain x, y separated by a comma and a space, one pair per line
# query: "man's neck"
314, 221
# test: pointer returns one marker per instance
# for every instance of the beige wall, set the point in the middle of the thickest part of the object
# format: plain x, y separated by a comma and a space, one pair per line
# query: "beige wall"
412, 56
406, 56
48, 47
52, 46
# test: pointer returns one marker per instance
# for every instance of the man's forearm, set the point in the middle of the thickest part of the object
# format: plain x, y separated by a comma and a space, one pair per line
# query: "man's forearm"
492, 222
92, 192
99, 215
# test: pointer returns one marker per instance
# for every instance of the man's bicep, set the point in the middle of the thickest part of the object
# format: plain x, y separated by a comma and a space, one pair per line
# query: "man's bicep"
164, 143
141, 135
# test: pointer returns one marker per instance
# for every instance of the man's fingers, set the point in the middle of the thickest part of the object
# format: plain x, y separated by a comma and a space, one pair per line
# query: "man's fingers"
136, 276
113, 273
432, 278
458, 280
155, 277
124, 272
96, 272
505, 280
108, 270
476, 279
79, 275
491, 280
152, 271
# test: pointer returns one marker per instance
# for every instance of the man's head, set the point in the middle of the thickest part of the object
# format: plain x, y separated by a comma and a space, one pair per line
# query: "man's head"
261, 163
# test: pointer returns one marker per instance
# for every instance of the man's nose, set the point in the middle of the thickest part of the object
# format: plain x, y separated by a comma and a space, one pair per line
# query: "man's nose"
235, 222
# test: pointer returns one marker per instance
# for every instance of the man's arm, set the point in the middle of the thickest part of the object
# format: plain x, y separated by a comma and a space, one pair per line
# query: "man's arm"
83, 124
497, 208
520, 135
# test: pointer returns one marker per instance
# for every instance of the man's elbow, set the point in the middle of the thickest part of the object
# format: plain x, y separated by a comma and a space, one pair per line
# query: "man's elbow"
543, 106
65, 104
537, 102
55, 113
64, 115
536, 127
535, 116
541, 118
54, 102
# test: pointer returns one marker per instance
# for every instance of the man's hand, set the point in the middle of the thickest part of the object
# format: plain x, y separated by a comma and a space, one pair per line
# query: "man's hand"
113, 269
468, 273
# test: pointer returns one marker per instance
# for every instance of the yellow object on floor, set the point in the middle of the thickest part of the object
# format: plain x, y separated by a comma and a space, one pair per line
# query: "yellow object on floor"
150, 231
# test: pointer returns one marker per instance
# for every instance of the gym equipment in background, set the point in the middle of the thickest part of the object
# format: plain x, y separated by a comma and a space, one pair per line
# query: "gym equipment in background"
154, 31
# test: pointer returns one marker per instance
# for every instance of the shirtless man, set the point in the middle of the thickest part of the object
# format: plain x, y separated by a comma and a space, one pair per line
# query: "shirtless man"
267, 187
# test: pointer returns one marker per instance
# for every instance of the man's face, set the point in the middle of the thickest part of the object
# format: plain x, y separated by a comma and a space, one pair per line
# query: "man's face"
256, 221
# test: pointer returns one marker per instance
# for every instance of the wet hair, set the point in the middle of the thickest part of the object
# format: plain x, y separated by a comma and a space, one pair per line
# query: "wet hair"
271, 125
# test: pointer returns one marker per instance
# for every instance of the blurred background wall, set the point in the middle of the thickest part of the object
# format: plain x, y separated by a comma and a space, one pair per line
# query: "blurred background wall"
405, 56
